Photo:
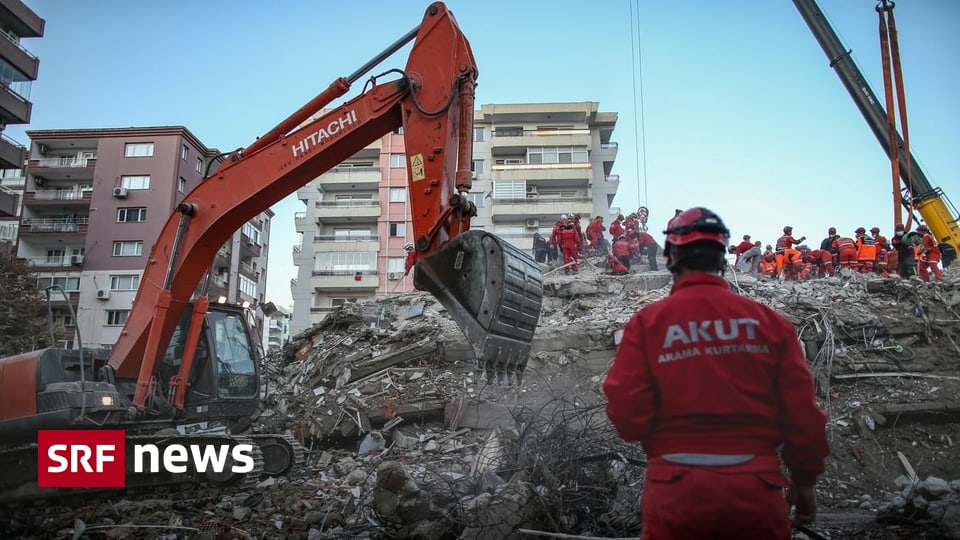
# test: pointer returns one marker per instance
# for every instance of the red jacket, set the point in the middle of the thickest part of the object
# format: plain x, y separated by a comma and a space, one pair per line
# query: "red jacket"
785, 242
621, 248
820, 256
569, 237
743, 246
410, 261
595, 231
616, 229
844, 243
706, 370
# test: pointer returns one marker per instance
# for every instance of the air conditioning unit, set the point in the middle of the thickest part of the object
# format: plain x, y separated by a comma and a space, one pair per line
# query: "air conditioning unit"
103, 294
38, 180
120, 192
76, 260
43, 149
532, 190
533, 223
394, 275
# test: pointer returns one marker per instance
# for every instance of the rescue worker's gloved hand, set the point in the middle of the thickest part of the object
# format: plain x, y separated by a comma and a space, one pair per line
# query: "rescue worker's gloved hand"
803, 500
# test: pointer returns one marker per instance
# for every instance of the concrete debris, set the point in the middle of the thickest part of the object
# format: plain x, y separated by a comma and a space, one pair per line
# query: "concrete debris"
406, 439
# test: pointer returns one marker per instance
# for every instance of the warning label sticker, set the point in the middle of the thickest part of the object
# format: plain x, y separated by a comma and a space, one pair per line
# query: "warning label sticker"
416, 168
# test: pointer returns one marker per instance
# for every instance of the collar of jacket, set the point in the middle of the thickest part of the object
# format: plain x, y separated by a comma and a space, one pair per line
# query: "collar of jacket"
699, 278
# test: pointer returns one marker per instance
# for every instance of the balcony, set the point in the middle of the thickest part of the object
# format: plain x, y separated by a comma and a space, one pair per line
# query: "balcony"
39, 264
62, 168
505, 210
52, 200
513, 142
326, 243
300, 222
350, 179
249, 271
559, 174
18, 57
14, 109
348, 211
12, 153
52, 227
9, 203
21, 19
249, 248
345, 280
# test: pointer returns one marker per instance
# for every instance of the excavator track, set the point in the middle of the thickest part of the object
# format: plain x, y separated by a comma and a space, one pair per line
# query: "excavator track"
281, 453
494, 292
18, 488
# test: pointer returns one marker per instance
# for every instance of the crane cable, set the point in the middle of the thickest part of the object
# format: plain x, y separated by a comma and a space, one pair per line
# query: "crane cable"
638, 112
893, 81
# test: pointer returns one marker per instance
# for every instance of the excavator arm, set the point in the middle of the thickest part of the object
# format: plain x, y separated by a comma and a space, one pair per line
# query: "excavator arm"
491, 289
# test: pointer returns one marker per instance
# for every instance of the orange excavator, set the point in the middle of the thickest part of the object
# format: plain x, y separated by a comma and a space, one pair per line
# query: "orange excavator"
182, 359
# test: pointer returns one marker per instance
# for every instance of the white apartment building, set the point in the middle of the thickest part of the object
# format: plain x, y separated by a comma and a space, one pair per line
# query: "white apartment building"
532, 162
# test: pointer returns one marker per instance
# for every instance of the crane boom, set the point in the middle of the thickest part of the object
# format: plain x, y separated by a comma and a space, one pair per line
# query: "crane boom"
928, 200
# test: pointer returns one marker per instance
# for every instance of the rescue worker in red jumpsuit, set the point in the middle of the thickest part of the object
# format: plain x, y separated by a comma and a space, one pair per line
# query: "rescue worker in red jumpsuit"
616, 228
823, 261
648, 246
616, 267
621, 250
595, 233
411, 259
904, 253
570, 248
785, 242
847, 251
883, 247
711, 384
929, 255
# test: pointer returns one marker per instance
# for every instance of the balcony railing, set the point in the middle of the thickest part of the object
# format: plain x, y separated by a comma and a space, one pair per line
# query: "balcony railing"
340, 238
348, 203
533, 199
18, 44
61, 162
544, 132
6, 137
297, 248
612, 178
608, 145
63, 260
60, 195
55, 224
299, 216
344, 272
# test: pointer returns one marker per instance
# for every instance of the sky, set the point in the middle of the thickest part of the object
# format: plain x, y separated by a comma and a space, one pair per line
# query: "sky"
726, 105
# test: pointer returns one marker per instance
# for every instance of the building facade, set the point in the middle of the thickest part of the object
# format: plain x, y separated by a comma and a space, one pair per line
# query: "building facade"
18, 70
532, 163
94, 203
277, 329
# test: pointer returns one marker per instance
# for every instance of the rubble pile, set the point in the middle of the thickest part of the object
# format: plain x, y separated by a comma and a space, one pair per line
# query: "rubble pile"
406, 439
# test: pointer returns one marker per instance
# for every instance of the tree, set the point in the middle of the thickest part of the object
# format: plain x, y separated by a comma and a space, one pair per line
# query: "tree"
23, 323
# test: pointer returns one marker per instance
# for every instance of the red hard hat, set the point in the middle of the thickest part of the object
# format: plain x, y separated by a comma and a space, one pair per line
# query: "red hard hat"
788, 229
860, 230
832, 230
875, 229
697, 224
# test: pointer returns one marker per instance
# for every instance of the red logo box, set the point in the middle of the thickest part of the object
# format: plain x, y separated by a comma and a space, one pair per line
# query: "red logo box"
81, 458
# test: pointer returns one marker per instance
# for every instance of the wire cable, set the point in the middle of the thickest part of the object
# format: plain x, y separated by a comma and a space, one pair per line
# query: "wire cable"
639, 116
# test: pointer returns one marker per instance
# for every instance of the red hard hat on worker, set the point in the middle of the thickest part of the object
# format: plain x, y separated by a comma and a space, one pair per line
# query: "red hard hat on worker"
696, 224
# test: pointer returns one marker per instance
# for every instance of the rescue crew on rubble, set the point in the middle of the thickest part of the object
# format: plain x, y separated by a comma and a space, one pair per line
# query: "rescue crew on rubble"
616, 228
621, 250
570, 244
822, 260
711, 384
749, 261
929, 255
867, 250
411, 259
647, 246
540, 248
595, 234
784, 243
846, 250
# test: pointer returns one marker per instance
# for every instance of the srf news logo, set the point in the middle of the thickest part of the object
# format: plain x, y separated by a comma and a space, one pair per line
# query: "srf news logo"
97, 458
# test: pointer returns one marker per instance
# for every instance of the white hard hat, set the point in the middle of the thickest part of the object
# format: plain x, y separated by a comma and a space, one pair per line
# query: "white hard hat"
408, 245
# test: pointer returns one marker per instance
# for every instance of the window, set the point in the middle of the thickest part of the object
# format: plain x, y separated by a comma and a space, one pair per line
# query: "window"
336, 302
396, 264
476, 199
509, 161
397, 161
55, 257
554, 154
127, 282
248, 286
131, 215
199, 165
69, 284
476, 166
117, 317
135, 182
350, 235
184, 152
62, 319
510, 189
398, 194
478, 134
132, 248
138, 149
182, 185
251, 232
398, 229
346, 260
513, 131
236, 368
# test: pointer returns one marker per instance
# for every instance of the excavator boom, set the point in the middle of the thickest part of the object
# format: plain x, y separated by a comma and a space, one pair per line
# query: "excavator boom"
491, 289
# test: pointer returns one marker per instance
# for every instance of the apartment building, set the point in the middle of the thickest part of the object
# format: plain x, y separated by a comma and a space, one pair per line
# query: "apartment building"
94, 203
532, 163
18, 70
277, 329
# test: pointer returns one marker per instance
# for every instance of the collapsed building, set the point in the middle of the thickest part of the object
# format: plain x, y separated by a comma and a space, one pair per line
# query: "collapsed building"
405, 438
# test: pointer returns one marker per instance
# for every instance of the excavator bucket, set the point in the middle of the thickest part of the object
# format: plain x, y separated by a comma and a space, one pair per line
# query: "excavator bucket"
494, 292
